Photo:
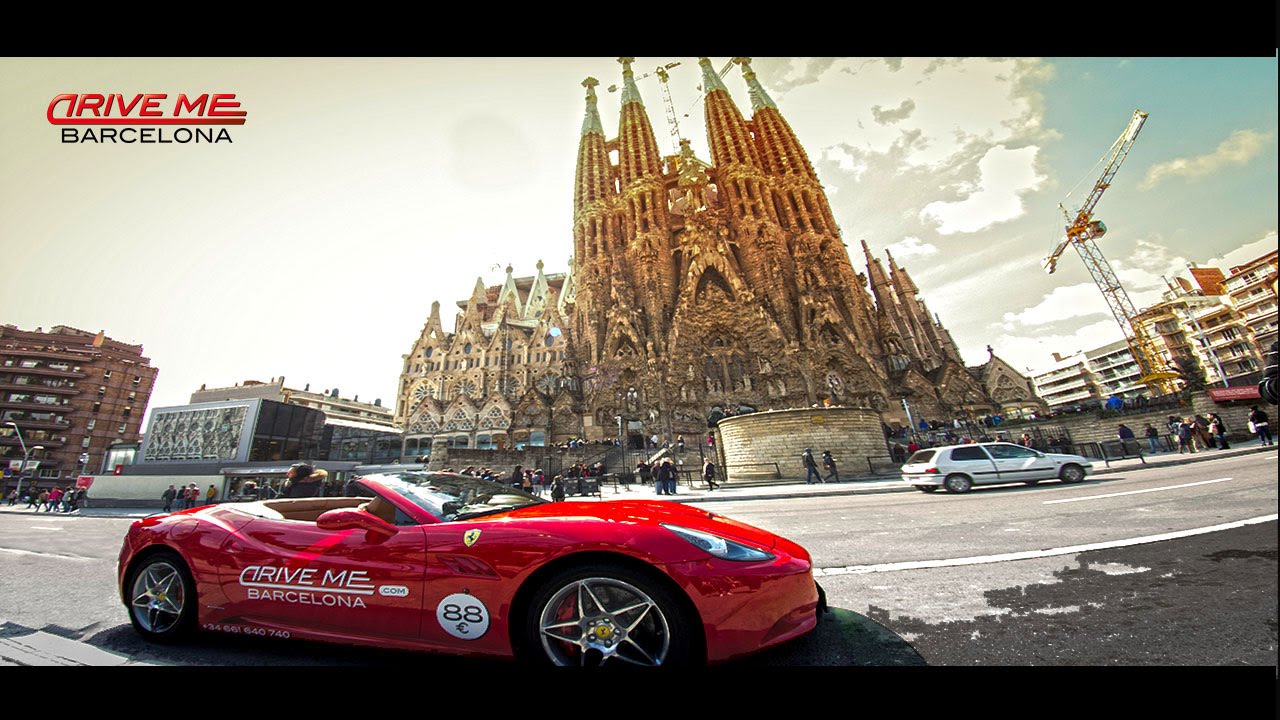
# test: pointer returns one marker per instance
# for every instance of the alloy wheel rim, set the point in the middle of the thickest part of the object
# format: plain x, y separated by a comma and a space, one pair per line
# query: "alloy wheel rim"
159, 595
598, 621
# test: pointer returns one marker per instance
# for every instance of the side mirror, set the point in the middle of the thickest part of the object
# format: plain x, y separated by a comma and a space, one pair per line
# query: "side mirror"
349, 518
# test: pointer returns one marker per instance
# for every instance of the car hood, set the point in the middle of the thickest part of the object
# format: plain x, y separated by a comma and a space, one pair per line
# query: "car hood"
647, 512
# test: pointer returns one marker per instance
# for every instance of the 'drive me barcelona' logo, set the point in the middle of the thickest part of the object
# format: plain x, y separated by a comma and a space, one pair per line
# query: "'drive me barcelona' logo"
145, 117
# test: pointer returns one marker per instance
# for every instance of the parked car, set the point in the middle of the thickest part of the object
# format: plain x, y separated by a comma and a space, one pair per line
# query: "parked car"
957, 468
457, 564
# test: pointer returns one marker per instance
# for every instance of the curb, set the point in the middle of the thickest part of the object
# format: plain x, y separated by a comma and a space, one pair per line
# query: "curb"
852, 486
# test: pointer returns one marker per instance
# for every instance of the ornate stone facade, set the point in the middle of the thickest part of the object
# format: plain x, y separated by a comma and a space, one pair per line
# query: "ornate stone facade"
503, 377
694, 286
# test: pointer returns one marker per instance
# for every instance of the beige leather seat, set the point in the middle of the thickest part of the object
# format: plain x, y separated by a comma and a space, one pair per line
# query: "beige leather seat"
381, 508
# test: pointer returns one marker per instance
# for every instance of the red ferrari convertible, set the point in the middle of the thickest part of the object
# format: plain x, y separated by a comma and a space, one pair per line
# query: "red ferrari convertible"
459, 564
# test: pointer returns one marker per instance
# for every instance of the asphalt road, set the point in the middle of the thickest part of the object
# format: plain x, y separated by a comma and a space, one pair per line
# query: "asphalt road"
915, 581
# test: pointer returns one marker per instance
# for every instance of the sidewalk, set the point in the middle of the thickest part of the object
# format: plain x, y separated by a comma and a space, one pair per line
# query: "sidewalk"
774, 489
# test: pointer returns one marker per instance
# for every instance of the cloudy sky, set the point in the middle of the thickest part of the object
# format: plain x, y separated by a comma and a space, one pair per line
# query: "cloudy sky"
360, 190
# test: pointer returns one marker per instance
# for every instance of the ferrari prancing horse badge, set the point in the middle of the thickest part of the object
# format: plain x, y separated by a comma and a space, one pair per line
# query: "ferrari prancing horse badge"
470, 537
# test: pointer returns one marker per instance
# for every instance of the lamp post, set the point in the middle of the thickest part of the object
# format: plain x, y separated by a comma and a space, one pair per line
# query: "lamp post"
26, 452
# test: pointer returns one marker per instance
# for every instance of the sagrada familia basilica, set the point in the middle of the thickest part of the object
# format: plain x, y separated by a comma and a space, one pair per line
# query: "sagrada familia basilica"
694, 288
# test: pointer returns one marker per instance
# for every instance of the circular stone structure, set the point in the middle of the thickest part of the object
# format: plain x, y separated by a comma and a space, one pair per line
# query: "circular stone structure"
769, 444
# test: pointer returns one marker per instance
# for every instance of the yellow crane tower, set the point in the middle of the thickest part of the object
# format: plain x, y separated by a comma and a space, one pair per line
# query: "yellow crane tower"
1080, 233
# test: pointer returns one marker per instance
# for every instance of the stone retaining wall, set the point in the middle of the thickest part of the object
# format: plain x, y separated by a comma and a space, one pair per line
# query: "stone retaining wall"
754, 445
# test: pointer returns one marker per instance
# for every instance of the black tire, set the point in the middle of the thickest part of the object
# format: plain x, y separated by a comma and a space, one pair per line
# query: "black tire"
1071, 473
957, 483
927, 488
161, 597
579, 617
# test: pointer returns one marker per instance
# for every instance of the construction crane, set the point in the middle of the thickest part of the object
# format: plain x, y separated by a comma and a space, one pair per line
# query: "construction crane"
673, 125
1081, 231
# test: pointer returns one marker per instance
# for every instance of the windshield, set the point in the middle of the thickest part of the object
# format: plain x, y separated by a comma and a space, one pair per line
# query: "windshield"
921, 456
454, 497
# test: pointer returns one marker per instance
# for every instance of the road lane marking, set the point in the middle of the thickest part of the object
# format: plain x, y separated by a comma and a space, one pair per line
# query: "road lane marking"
1033, 554
56, 556
1136, 492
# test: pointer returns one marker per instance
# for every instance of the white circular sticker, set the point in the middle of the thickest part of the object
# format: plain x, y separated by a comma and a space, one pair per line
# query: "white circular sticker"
463, 616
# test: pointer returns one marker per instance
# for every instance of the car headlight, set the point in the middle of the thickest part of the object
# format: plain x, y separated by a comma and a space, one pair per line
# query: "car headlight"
718, 546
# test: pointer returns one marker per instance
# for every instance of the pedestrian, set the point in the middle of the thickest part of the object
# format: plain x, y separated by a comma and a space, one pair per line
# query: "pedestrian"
1153, 437
557, 488
1186, 443
517, 476
645, 471
54, 499
167, 496
1218, 429
1202, 432
811, 474
709, 474
13, 496
1125, 432
666, 478
526, 482
912, 448
298, 483
1026, 440
829, 463
1260, 425
680, 444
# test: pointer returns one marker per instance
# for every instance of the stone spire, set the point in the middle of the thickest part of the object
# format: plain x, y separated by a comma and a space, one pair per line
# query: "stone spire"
638, 155
509, 297
593, 178
759, 98
630, 93
593, 186
591, 123
727, 133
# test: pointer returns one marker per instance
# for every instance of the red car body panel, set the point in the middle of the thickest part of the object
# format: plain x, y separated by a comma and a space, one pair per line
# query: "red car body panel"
289, 578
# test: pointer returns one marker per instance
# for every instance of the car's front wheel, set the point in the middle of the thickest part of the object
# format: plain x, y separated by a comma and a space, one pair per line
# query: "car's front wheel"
1071, 474
957, 484
162, 598
605, 614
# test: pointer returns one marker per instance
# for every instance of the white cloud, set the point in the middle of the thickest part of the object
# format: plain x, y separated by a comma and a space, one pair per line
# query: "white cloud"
911, 247
1243, 254
1238, 149
1063, 303
1004, 175
1033, 354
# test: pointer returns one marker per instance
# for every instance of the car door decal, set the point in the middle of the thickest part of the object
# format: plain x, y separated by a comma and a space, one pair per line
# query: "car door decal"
463, 616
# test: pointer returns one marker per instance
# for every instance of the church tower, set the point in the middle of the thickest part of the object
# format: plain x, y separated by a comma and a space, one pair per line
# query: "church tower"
696, 286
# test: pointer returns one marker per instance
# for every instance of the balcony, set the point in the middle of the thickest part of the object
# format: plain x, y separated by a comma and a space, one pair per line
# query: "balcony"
25, 421
69, 389
15, 368
32, 406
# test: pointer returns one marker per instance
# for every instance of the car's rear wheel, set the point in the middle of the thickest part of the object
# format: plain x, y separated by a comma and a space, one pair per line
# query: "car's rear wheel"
162, 597
927, 488
957, 484
610, 615
1071, 474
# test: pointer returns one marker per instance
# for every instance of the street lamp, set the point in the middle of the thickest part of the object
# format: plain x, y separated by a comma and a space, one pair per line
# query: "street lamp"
26, 453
